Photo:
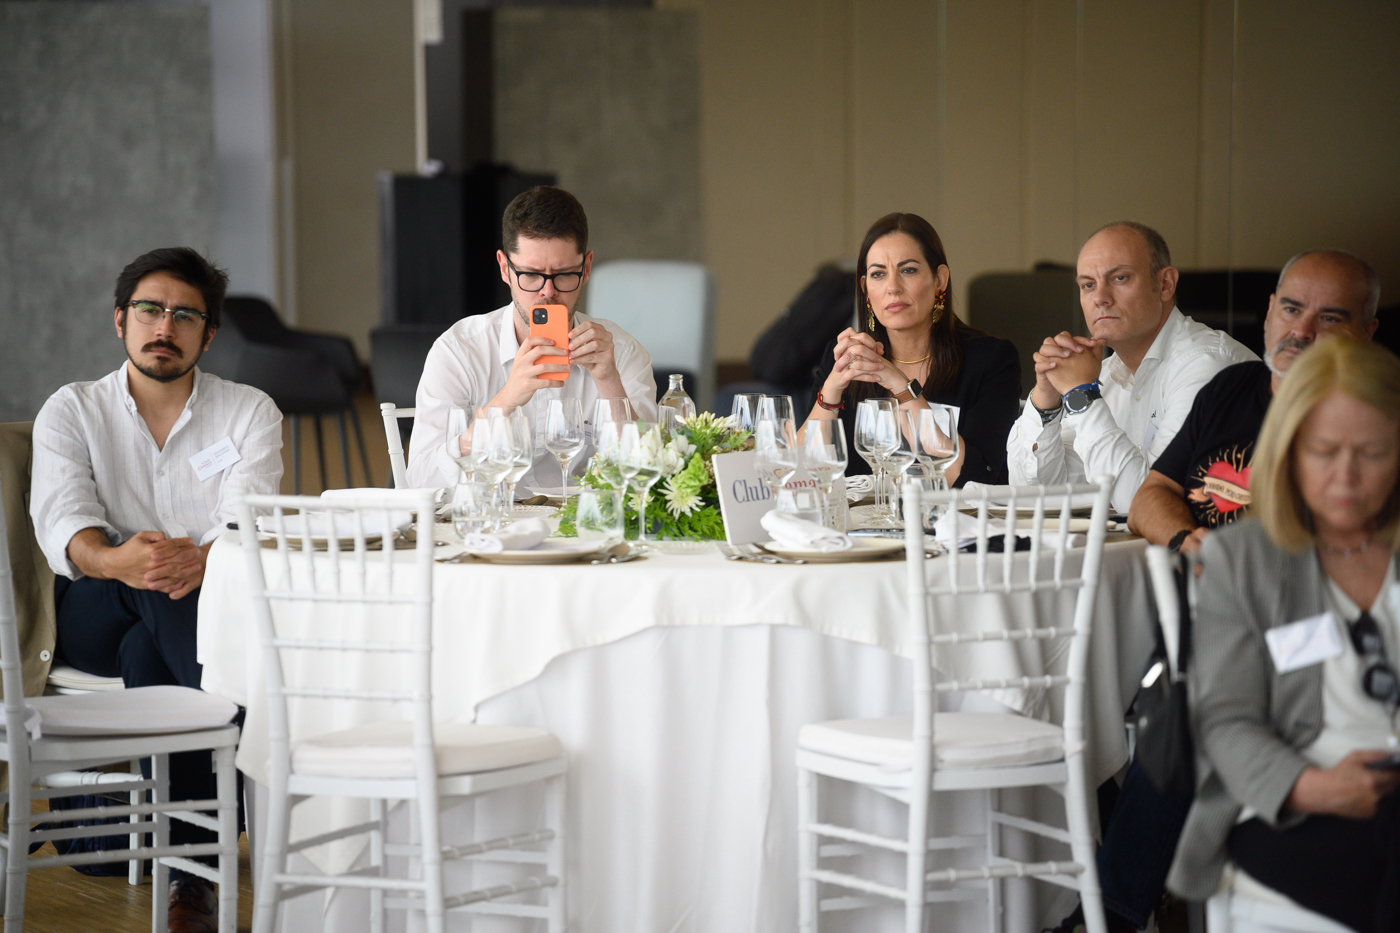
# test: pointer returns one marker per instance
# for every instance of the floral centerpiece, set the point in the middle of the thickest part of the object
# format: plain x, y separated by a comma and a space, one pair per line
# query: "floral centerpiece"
684, 503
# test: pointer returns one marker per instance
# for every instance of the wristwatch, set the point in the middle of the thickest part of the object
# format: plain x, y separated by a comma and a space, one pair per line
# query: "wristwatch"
1076, 400
1174, 545
910, 392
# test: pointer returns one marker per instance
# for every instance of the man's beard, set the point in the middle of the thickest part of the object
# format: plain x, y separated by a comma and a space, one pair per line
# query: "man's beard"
165, 370
1287, 343
524, 314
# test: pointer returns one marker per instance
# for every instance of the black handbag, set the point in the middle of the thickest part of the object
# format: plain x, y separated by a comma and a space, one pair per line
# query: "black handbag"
1165, 750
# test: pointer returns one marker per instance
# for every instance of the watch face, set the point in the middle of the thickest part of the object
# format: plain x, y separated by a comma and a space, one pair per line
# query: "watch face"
1077, 400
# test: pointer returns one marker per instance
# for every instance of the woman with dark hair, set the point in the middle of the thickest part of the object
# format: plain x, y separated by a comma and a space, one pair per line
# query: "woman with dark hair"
911, 346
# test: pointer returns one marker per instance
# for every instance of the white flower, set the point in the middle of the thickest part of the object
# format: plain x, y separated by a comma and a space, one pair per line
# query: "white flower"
679, 504
676, 455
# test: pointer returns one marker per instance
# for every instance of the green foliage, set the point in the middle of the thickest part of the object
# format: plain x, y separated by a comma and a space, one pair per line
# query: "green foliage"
693, 486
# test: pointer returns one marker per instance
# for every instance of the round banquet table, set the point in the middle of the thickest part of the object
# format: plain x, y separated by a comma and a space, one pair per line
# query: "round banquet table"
677, 685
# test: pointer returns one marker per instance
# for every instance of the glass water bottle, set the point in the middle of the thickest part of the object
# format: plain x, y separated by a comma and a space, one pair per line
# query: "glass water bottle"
676, 399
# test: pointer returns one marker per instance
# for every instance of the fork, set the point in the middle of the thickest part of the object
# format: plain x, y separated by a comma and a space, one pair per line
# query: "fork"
732, 553
768, 557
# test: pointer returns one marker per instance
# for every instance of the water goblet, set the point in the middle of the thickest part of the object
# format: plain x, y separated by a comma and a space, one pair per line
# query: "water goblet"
824, 455
639, 448
564, 437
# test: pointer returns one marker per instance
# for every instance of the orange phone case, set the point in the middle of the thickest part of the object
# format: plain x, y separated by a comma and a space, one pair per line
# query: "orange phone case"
557, 329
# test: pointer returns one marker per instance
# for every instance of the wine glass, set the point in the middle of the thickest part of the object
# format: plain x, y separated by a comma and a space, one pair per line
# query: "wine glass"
745, 410
877, 436
824, 455
458, 443
563, 437
776, 452
607, 457
774, 407
493, 454
611, 409
640, 441
899, 458
522, 447
937, 432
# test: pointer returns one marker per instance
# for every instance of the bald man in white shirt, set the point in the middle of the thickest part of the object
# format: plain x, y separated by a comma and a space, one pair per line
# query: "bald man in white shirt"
490, 360
134, 476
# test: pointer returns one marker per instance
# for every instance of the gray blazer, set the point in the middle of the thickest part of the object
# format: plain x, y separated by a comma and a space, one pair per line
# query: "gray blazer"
1249, 720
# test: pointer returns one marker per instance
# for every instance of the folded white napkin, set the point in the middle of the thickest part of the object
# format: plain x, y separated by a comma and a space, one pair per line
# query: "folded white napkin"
967, 531
524, 535
372, 522
790, 531
976, 491
440, 493
858, 487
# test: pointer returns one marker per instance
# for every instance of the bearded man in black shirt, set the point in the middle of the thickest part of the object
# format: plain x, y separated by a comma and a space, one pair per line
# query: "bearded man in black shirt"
1201, 481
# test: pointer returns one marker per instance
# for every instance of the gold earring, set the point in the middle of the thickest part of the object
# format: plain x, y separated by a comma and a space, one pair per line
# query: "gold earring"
870, 311
939, 303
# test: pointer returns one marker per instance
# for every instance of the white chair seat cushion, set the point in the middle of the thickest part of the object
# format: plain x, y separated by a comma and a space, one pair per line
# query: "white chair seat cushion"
384, 750
61, 675
138, 711
960, 740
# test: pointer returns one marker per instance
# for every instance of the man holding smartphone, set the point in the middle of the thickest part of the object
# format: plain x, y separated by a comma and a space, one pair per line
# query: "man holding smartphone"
491, 360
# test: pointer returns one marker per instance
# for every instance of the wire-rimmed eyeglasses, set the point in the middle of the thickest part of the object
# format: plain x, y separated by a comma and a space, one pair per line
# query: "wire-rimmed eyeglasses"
150, 312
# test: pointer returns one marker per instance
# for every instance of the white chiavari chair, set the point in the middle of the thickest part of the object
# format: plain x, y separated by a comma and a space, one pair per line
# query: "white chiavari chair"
912, 758
49, 740
391, 415
1230, 910
318, 596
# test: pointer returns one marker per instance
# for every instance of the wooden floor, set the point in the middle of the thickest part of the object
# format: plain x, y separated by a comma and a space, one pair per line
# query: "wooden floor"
60, 900
372, 427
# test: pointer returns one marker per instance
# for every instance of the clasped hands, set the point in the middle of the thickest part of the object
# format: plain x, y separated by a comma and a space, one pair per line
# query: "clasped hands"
590, 346
1063, 362
861, 358
149, 560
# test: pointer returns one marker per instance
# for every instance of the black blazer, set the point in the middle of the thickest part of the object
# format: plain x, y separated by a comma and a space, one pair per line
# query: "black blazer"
988, 392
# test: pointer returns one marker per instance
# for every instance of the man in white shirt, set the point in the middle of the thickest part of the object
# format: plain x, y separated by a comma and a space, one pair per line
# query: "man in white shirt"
134, 476
490, 360
1087, 416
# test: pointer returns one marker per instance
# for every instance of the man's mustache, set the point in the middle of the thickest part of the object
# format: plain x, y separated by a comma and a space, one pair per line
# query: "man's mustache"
1290, 343
163, 345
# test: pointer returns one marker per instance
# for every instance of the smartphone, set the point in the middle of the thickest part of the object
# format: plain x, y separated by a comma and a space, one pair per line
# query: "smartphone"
1389, 763
552, 321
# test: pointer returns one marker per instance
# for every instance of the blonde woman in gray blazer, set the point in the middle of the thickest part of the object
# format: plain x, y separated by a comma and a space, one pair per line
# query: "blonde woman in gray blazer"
1292, 689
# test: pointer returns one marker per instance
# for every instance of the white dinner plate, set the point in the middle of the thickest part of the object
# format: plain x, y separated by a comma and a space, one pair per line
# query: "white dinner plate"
861, 549
550, 551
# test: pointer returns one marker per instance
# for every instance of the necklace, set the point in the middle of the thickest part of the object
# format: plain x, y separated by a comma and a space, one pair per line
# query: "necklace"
908, 362
1345, 551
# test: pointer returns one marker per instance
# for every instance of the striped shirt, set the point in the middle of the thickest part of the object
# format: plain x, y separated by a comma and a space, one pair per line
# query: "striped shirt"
96, 464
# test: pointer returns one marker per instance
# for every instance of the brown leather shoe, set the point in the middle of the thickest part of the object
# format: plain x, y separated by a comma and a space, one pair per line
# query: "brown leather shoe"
193, 907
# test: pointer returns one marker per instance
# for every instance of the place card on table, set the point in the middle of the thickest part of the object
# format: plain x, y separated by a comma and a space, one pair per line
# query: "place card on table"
744, 497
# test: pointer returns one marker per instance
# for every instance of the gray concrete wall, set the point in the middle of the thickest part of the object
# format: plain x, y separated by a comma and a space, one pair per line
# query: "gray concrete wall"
609, 99
106, 151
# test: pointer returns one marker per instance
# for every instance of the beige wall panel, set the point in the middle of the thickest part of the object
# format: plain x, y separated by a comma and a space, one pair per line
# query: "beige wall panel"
1139, 118
1213, 173
1048, 226
771, 154
352, 112
1318, 155
983, 192
895, 145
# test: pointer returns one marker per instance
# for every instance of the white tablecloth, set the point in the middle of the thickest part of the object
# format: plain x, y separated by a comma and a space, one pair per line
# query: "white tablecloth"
681, 742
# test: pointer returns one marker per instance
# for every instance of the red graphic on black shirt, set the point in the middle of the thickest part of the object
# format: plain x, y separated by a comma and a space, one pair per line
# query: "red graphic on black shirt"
1219, 491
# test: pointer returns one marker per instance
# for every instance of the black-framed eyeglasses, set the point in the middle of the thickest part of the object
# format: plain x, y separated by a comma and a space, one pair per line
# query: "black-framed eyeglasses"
150, 312
534, 281
1378, 680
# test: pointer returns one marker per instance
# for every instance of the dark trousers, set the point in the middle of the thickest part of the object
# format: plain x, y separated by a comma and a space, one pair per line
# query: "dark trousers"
108, 628
1139, 843
1348, 870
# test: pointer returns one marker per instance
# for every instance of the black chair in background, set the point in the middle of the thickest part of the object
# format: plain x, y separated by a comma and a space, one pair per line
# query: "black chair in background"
304, 373
396, 356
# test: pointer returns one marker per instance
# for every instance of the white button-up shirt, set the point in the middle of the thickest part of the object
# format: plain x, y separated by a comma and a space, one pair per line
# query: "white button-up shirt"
1125, 432
96, 464
471, 362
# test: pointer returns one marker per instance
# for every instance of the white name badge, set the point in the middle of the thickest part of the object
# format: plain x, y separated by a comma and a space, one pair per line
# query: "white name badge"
1150, 434
744, 498
215, 459
1303, 643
